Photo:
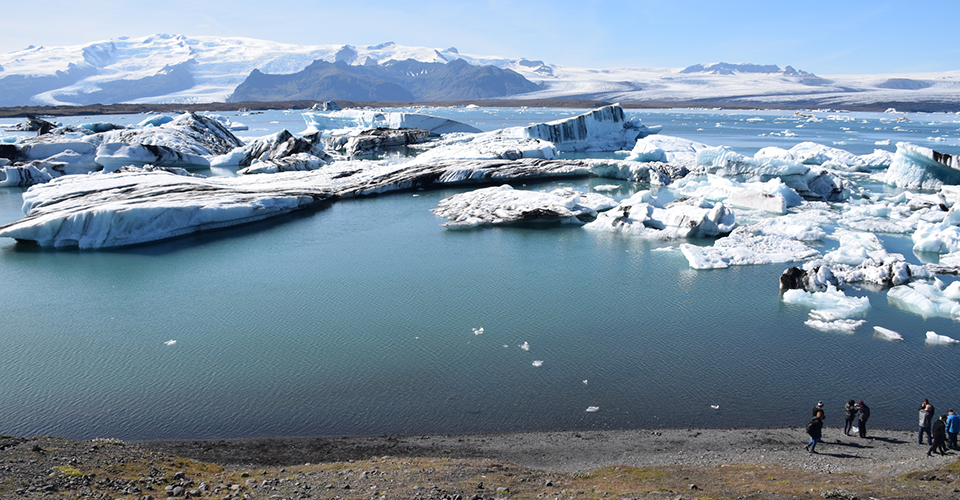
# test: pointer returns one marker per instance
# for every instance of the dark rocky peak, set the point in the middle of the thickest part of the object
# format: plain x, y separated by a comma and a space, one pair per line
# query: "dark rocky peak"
381, 46
529, 64
723, 68
453, 50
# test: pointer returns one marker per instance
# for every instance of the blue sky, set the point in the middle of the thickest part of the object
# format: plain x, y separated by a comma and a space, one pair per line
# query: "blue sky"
823, 37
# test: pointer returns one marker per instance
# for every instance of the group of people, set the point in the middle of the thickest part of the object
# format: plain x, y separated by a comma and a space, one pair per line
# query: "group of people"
941, 431
938, 429
852, 411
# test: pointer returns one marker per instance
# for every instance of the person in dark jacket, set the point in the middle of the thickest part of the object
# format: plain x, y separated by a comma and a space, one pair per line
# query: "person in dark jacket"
849, 415
815, 431
939, 431
864, 411
819, 409
925, 421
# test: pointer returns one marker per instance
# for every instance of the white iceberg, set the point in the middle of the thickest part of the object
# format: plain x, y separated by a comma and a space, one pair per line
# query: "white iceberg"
830, 309
917, 167
488, 146
771, 196
665, 149
886, 333
744, 247
808, 182
933, 338
940, 237
928, 299
661, 217
811, 153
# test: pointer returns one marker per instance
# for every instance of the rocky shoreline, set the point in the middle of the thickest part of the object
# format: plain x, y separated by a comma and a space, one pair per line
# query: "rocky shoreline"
640, 463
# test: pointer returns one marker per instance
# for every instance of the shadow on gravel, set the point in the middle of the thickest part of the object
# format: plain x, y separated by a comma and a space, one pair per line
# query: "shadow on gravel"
888, 440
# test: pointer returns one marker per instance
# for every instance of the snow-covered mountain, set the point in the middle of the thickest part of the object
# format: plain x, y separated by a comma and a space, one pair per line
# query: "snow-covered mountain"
181, 69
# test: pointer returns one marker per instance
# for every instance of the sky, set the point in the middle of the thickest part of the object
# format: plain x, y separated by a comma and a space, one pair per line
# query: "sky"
823, 37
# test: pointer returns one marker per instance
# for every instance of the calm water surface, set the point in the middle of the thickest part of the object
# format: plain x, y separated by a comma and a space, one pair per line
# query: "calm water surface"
357, 317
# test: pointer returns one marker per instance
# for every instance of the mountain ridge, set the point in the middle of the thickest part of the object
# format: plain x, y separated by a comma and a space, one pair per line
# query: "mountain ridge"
168, 68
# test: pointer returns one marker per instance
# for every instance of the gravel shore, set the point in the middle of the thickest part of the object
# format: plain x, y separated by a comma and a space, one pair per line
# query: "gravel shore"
883, 453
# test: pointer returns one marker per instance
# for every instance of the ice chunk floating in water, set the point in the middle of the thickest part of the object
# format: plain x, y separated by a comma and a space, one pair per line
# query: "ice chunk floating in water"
933, 338
887, 333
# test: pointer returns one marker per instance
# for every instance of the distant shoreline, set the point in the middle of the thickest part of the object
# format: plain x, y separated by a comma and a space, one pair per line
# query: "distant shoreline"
115, 109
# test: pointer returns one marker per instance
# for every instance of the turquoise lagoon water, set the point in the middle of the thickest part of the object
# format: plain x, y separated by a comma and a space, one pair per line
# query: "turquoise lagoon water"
357, 318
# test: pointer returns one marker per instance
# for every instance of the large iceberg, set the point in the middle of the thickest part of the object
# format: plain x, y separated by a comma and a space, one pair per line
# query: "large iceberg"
811, 153
602, 129
500, 205
280, 152
917, 167
771, 196
744, 246
939, 237
928, 299
114, 209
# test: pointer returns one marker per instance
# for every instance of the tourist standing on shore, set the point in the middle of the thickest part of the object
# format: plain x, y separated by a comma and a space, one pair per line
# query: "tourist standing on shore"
953, 427
849, 415
939, 436
864, 411
925, 421
819, 409
815, 431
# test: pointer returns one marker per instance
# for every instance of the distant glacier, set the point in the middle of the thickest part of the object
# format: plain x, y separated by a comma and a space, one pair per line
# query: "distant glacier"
182, 69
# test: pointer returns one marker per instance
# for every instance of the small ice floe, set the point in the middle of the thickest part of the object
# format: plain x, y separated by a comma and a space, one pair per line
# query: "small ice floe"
170, 342
715, 407
591, 409
584, 381
933, 338
478, 331
887, 333
606, 187
537, 363
525, 346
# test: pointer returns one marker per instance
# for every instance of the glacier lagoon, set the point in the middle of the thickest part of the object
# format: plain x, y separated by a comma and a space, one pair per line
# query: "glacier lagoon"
357, 318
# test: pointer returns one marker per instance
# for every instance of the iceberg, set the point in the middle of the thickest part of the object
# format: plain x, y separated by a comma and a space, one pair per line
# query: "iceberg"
280, 152
602, 129
667, 149
816, 184
811, 153
927, 299
940, 237
370, 119
488, 146
376, 140
887, 333
933, 338
745, 247
128, 207
501, 205
831, 309
916, 167
661, 217
772, 196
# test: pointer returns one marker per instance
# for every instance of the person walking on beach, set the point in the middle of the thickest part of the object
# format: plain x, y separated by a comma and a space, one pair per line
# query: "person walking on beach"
939, 436
953, 427
815, 431
849, 415
925, 420
864, 411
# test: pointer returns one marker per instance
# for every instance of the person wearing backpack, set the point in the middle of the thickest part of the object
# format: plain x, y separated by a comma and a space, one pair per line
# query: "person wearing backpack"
815, 431
953, 427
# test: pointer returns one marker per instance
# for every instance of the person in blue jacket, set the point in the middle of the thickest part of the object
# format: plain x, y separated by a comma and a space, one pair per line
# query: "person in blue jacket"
953, 428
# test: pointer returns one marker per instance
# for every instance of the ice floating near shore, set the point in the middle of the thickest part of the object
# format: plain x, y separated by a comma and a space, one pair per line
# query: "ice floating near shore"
939, 237
887, 333
487, 146
478, 331
810, 183
928, 299
591, 409
537, 363
831, 309
771, 196
170, 342
933, 338
525, 346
